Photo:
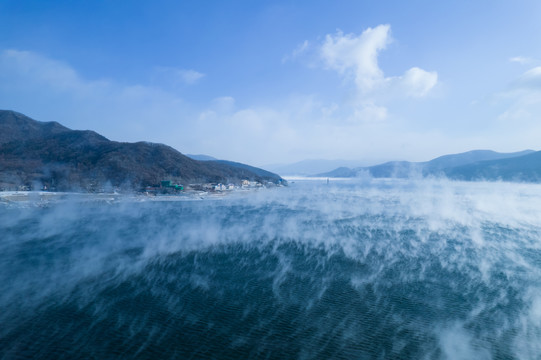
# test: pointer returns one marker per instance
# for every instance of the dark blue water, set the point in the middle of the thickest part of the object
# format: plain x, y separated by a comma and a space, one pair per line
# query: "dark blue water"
370, 270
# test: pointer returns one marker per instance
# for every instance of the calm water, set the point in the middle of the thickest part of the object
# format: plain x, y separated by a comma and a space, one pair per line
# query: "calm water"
366, 270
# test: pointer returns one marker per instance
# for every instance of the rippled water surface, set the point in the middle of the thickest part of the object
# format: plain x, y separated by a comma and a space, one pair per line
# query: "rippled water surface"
382, 269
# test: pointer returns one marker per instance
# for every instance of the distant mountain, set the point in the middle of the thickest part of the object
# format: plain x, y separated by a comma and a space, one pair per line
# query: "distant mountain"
450, 161
201, 157
522, 168
341, 172
470, 165
397, 169
311, 166
34, 152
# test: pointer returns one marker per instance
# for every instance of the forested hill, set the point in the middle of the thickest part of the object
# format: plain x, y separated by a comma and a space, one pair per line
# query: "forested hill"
47, 153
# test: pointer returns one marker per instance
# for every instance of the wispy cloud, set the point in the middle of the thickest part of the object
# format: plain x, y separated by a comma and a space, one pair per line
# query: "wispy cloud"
521, 103
298, 51
53, 90
521, 60
369, 112
42, 70
530, 80
177, 76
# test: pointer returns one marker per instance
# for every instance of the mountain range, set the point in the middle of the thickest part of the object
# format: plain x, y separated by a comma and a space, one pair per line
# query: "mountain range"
472, 165
312, 166
35, 153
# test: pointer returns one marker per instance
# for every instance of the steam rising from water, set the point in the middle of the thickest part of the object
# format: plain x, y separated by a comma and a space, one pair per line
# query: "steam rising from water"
380, 269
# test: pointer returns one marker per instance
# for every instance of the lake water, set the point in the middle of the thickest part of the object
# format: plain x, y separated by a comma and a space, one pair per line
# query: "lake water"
363, 269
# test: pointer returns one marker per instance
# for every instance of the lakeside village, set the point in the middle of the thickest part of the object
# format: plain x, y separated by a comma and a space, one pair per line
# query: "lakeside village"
166, 187
170, 188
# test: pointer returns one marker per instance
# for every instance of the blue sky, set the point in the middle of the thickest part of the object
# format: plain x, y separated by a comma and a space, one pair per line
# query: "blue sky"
278, 82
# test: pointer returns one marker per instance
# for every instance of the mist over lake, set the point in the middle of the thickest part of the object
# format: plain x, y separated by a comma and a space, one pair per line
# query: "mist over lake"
366, 269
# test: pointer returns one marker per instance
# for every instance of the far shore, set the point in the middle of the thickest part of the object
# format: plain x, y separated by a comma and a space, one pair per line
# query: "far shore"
314, 178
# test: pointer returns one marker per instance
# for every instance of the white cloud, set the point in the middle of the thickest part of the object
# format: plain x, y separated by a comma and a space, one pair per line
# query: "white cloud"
530, 80
515, 115
174, 75
356, 57
418, 82
225, 104
190, 76
369, 112
521, 60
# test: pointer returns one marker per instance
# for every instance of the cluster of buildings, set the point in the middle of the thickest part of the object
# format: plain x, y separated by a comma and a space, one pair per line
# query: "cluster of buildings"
245, 184
168, 187
165, 187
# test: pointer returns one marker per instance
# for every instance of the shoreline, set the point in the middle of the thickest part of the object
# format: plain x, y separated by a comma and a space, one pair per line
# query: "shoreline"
45, 197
